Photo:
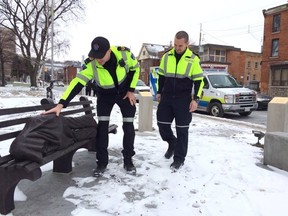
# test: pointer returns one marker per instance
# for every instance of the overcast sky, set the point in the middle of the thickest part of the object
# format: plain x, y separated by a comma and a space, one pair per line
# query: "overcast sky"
132, 23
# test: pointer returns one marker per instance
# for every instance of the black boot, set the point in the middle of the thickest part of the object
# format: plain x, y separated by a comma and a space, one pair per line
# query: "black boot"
100, 169
176, 165
129, 166
169, 153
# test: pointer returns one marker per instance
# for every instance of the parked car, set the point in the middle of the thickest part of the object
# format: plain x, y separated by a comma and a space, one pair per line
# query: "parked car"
263, 100
140, 87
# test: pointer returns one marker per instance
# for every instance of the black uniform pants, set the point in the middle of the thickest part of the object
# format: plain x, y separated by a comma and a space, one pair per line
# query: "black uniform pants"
104, 108
178, 109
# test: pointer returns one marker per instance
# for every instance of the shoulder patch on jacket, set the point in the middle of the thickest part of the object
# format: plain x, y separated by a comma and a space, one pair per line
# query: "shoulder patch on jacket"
87, 60
132, 56
196, 54
168, 51
123, 48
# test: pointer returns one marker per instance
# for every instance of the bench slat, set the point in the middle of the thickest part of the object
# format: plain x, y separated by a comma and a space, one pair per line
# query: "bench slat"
5, 159
16, 110
9, 135
12, 122
80, 110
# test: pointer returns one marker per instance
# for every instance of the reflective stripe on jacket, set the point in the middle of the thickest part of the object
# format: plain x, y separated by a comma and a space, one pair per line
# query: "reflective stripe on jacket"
126, 63
177, 76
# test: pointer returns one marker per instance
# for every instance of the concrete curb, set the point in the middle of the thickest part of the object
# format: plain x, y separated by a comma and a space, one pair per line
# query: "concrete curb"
257, 126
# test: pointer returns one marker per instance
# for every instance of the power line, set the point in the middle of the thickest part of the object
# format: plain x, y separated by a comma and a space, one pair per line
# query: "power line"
246, 31
213, 37
243, 32
240, 13
235, 29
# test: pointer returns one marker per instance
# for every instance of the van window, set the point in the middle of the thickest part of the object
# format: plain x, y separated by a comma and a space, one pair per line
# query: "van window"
223, 81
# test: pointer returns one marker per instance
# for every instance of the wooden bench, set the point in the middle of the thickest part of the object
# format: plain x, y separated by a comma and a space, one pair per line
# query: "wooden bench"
12, 171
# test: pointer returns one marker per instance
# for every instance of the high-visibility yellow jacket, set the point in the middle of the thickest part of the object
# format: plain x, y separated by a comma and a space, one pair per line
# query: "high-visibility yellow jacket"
180, 77
127, 74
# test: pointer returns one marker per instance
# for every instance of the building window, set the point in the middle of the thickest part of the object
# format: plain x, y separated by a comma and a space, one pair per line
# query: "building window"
276, 23
256, 65
248, 64
254, 76
216, 55
275, 48
279, 76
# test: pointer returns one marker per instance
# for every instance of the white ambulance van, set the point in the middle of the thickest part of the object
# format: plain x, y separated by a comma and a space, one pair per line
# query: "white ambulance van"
222, 94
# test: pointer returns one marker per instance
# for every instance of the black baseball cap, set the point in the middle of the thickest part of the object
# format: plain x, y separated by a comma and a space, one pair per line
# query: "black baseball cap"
99, 47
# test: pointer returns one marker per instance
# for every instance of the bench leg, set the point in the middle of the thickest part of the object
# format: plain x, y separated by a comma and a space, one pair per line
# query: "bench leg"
64, 163
8, 182
7, 199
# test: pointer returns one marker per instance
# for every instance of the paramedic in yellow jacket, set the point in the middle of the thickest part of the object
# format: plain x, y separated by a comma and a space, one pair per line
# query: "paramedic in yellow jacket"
179, 71
116, 72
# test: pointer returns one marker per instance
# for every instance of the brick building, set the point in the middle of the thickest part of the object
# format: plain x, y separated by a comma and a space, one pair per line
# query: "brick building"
242, 65
245, 67
274, 68
70, 73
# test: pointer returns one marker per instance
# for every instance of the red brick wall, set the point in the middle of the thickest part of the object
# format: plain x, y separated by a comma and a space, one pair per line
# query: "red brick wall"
238, 65
282, 35
235, 67
69, 74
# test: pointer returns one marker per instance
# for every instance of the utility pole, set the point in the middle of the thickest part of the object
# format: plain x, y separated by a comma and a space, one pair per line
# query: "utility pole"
200, 39
200, 35
52, 41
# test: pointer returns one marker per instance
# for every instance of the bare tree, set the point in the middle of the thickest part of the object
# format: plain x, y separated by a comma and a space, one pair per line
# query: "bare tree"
31, 20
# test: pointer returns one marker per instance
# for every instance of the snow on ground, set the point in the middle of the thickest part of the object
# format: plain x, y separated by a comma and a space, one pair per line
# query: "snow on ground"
223, 174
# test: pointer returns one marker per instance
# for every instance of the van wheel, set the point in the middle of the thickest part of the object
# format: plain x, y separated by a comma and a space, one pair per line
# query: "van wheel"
215, 109
245, 113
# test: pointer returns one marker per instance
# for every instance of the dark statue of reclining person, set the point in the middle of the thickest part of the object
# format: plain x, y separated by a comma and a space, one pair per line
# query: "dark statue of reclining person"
45, 134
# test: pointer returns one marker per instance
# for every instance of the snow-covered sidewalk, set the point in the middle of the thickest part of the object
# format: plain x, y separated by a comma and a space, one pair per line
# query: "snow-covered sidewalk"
223, 175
